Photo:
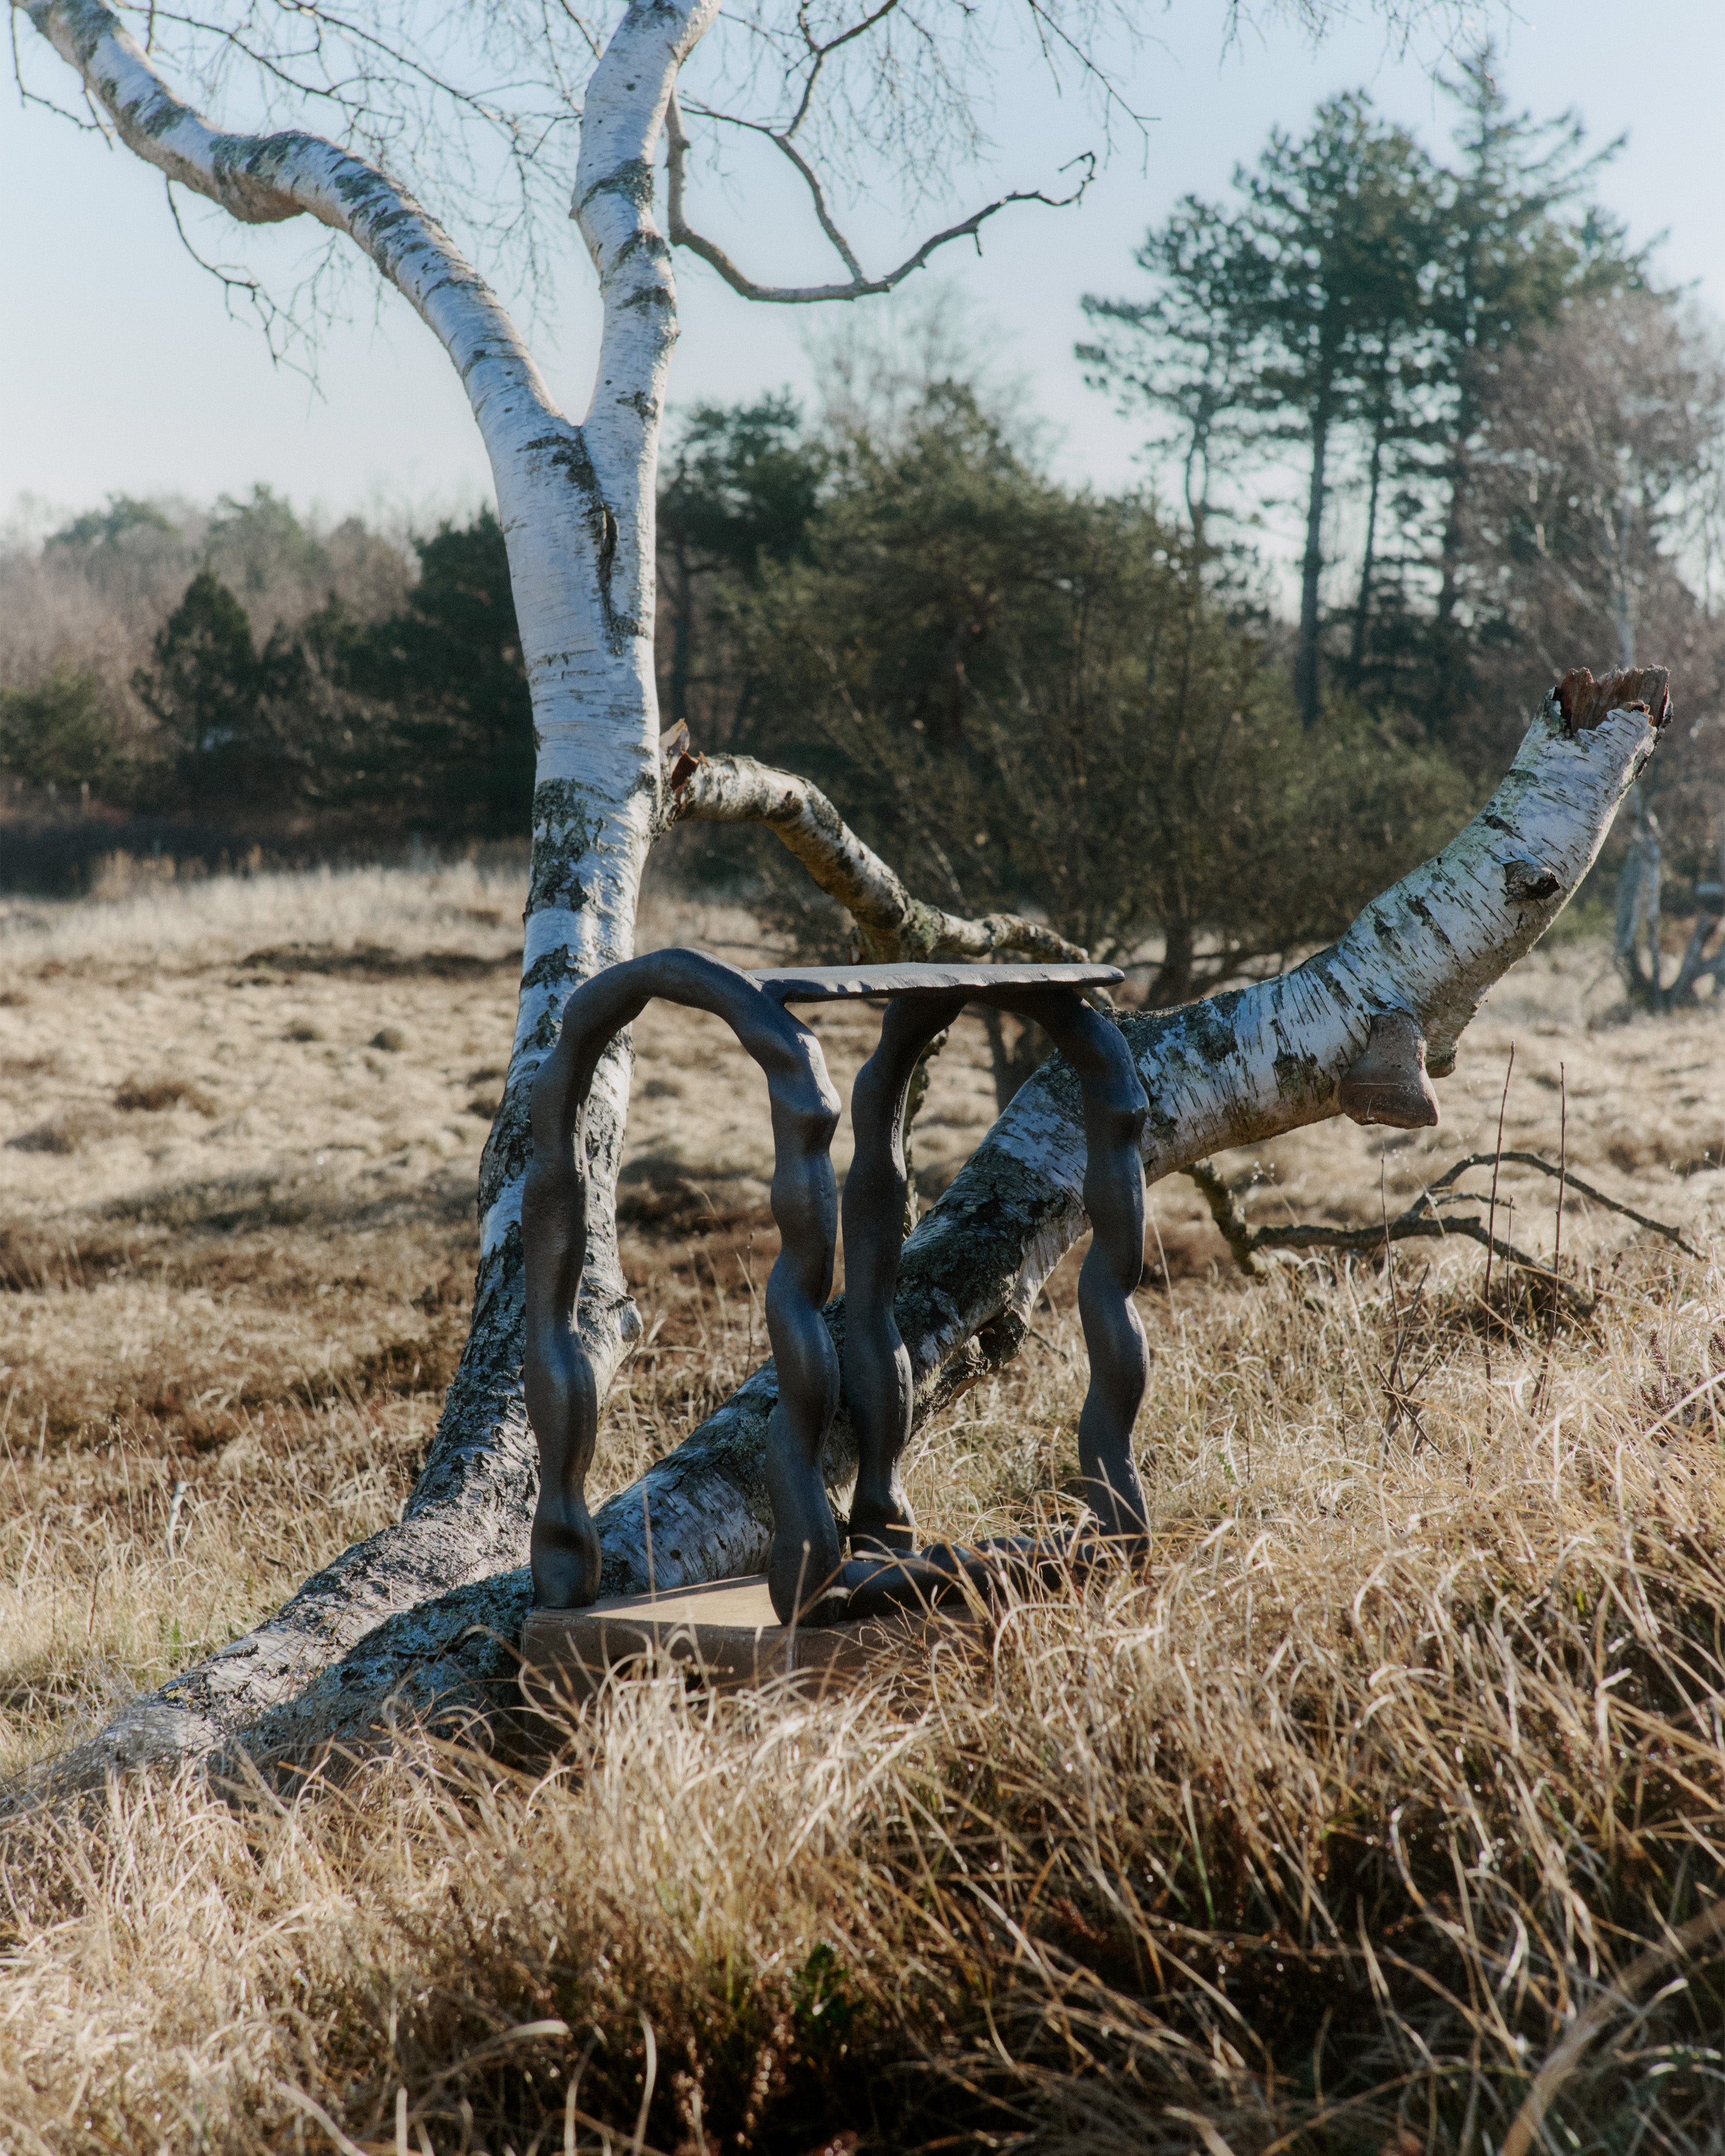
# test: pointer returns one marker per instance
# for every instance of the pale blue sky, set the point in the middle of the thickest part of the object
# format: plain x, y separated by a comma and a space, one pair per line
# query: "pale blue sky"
122, 370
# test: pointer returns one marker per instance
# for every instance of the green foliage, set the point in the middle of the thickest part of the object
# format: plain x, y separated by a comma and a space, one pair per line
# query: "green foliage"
60, 734
259, 539
744, 482
1025, 696
205, 692
444, 731
1349, 308
109, 526
422, 722
933, 563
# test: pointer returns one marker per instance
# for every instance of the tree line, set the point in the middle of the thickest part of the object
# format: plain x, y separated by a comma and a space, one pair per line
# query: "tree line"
387, 695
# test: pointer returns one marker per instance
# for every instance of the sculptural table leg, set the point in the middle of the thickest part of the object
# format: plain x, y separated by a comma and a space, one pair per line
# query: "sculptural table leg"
1115, 1107
804, 1554
877, 1368
886, 1570
562, 1389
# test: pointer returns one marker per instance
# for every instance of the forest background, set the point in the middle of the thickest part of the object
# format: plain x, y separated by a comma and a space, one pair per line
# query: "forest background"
1499, 431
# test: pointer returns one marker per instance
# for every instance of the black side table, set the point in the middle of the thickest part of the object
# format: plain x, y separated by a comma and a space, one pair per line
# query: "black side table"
809, 1580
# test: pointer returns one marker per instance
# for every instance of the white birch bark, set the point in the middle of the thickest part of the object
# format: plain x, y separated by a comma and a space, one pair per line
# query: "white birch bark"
575, 503
421, 1617
577, 507
891, 923
1231, 1070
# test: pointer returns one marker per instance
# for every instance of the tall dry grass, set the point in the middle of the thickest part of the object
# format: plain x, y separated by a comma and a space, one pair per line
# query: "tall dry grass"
1314, 1834
1318, 1834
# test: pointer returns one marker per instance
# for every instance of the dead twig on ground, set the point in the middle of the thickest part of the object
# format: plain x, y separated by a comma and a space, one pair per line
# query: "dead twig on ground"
1421, 1220
1698, 1934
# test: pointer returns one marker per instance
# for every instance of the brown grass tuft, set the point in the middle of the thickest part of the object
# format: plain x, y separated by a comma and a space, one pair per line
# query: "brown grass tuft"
153, 1097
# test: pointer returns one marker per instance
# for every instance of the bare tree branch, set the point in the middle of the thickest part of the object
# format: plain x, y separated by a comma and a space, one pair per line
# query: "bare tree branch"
820, 53
810, 178
422, 1619
266, 179
1421, 1221
860, 286
890, 924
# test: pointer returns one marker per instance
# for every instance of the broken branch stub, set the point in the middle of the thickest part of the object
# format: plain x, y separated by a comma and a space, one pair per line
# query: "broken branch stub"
1387, 1084
1585, 703
891, 923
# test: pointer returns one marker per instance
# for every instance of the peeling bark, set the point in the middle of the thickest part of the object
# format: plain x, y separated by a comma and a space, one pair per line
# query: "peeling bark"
577, 505
421, 1617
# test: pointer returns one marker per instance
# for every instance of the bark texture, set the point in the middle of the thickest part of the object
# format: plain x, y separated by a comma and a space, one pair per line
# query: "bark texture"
436, 1635
422, 1617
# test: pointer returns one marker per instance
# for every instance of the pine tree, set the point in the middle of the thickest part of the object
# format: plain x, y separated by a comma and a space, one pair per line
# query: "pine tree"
1521, 241
1286, 322
205, 691
743, 484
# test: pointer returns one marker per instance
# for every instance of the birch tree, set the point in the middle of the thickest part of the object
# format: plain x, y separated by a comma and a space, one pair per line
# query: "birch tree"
419, 1618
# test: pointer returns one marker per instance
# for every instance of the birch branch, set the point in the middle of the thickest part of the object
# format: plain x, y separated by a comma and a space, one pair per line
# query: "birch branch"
632, 90
858, 286
1234, 1069
891, 923
264, 179
1230, 1069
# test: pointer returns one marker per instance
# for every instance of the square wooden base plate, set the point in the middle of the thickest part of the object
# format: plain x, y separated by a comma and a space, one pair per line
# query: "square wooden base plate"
725, 1633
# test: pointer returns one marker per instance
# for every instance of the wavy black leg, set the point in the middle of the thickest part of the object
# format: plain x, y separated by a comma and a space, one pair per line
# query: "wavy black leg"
560, 1383
877, 1368
886, 1571
1115, 1107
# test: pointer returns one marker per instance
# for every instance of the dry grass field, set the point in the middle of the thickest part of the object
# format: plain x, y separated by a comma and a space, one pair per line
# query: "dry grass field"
1318, 1835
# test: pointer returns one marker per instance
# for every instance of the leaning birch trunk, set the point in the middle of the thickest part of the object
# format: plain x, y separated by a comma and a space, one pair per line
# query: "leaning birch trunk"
1232, 1069
576, 505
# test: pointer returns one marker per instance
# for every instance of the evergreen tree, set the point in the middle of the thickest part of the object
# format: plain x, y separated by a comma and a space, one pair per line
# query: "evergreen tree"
1338, 232
1190, 350
744, 482
445, 741
1287, 321
59, 735
1351, 307
1027, 697
206, 692
112, 525
1521, 241
261, 539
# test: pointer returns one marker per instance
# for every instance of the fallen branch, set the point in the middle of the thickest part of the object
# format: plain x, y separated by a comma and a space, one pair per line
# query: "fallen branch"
890, 924
1702, 1931
1421, 1221
1574, 1182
